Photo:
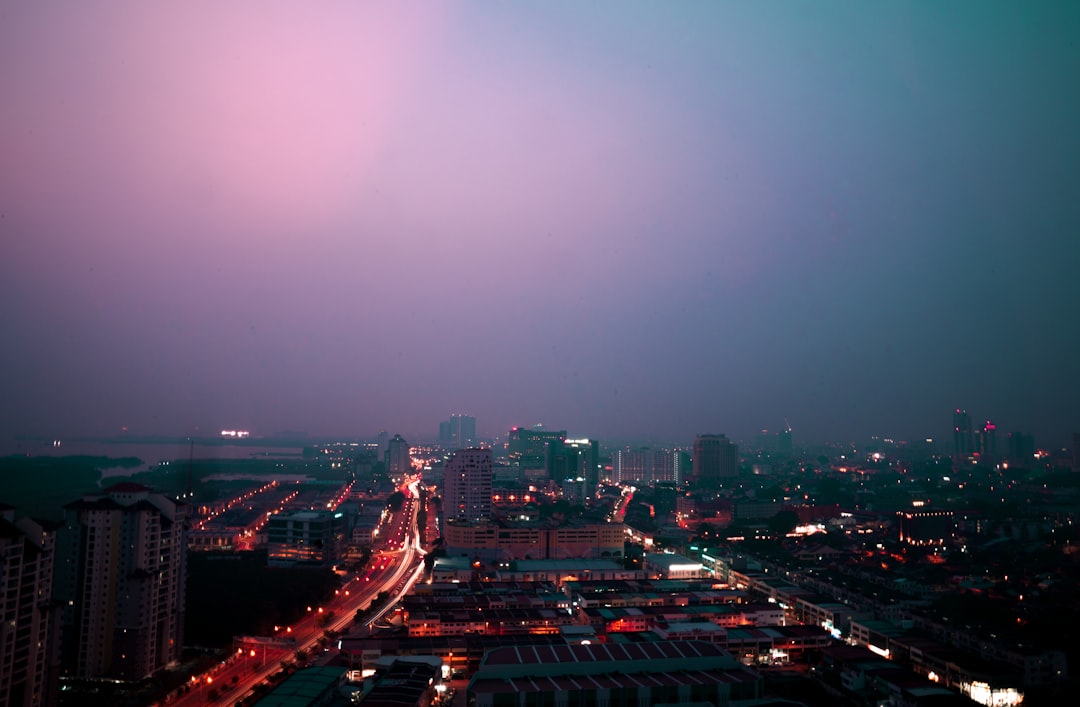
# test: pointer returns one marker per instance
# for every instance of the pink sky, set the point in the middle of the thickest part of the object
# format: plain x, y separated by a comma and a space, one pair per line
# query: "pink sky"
634, 219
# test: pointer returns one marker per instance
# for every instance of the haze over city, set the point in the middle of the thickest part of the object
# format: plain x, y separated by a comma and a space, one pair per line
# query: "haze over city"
623, 220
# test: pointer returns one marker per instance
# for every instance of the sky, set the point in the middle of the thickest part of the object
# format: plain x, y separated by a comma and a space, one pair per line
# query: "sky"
626, 220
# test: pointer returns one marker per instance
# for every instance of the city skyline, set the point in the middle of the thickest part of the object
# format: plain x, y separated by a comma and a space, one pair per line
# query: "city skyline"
651, 221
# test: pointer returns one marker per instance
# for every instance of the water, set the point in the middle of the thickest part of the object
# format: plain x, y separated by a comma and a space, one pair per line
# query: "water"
150, 454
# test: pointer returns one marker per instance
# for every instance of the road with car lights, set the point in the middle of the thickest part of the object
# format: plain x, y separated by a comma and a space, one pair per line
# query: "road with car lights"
393, 569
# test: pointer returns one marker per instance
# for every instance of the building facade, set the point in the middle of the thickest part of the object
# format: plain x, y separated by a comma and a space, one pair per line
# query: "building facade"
527, 448
458, 432
533, 541
575, 460
398, 457
305, 538
467, 485
28, 644
644, 467
715, 458
121, 569
963, 438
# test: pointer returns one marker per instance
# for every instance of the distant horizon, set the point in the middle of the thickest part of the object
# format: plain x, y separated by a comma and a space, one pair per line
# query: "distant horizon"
942, 442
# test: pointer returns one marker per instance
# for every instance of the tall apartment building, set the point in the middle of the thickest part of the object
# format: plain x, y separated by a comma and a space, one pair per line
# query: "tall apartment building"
715, 458
646, 466
467, 485
28, 643
121, 568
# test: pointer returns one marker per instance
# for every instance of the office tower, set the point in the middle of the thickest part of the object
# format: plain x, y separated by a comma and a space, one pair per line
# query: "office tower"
572, 459
458, 432
527, 448
28, 643
962, 435
121, 566
383, 440
398, 458
715, 458
467, 485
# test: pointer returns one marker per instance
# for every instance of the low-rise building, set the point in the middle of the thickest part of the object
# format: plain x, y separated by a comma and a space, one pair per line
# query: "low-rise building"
665, 672
305, 537
503, 541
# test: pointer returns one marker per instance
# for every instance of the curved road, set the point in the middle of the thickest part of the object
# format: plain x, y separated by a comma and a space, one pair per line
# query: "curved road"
393, 570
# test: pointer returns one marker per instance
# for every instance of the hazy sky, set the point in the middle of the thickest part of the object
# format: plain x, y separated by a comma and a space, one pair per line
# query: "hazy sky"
625, 219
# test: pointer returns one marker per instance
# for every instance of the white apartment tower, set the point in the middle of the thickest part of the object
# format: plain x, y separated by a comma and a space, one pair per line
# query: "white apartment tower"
120, 571
467, 485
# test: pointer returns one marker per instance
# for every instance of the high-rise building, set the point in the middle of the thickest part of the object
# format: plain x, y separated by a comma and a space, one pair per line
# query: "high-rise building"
646, 466
398, 457
121, 567
784, 441
28, 643
987, 448
775, 442
467, 485
1076, 452
573, 459
1021, 449
715, 458
527, 448
963, 440
458, 432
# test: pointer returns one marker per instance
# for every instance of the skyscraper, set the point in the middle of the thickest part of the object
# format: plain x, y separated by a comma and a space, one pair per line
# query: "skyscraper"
27, 641
458, 432
528, 447
715, 458
398, 457
570, 459
467, 485
121, 567
963, 442
988, 443
1021, 449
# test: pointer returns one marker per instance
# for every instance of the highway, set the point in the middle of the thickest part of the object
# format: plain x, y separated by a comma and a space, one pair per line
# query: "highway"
393, 569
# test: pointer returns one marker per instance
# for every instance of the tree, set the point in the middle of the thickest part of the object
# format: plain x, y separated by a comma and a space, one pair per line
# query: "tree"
783, 522
395, 501
705, 530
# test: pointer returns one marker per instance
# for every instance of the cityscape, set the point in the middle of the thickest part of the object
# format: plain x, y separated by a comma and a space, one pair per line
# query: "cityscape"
560, 354
536, 565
